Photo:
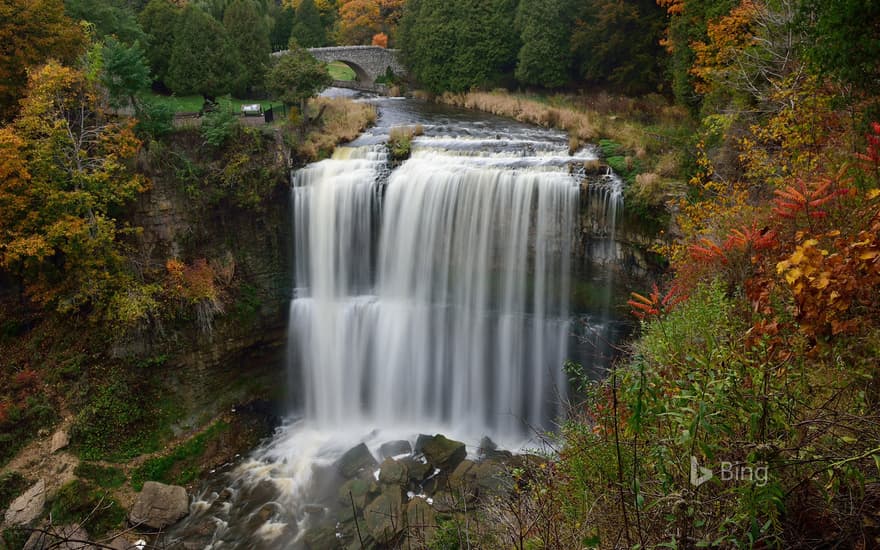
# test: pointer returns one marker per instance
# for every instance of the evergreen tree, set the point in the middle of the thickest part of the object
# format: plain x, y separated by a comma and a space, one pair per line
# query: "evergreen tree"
845, 40
249, 35
618, 43
545, 27
109, 18
279, 36
203, 60
159, 19
308, 29
459, 44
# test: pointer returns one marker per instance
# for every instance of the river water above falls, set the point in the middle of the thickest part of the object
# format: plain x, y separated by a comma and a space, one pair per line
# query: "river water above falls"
434, 296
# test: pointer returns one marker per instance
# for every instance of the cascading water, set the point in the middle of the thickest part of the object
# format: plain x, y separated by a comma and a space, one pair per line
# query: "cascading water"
465, 321
435, 299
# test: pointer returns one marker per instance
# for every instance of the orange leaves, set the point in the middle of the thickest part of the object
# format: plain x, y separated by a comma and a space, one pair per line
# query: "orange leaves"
192, 282
729, 36
380, 40
832, 273
673, 7
808, 199
655, 304
359, 20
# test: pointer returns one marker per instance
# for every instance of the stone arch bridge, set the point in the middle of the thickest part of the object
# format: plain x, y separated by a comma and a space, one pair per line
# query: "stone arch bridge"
367, 62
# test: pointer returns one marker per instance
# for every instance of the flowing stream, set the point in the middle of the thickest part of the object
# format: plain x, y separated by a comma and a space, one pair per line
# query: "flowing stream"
429, 297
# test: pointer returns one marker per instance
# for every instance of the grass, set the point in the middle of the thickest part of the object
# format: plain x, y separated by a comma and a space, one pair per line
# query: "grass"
93, 508
106, 477
180, 466
193, 103
340, 71
11, 486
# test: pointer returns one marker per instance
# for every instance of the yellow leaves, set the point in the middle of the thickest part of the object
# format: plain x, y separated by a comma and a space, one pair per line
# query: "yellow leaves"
872, 194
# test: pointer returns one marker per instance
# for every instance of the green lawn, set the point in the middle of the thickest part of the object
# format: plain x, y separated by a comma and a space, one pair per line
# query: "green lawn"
193, 103
341, 71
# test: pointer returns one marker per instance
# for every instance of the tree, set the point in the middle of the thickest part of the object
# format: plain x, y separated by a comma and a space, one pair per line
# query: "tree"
544, 58
203, 61
297, 76
30, 33
308, 29
687, 25
359, 20
125, 72
618, 43
282, 28
69, 168
460, 44
159, 19
845, 40
108, 18
249, 35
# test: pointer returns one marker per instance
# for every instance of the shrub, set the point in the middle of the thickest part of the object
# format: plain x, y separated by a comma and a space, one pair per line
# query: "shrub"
219, 126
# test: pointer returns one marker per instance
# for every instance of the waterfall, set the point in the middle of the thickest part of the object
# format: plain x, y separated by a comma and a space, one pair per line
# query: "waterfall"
443, 300
432, 299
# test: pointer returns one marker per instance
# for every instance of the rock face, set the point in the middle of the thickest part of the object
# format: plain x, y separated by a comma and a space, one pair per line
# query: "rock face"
27, 507
159, 505
443, 453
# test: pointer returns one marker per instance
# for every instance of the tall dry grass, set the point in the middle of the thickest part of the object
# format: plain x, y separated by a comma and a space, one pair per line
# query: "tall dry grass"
627, 121
581, 126
343, 120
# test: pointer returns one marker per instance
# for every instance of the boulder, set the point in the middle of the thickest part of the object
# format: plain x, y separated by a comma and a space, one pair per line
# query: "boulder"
489, 450
393, 472
463, 475
420, 517
158, 505
60, 440
418, 471
62, 537
395, 448
383, 517
356, 490
492, 478
355, 460
443, 453
27, 507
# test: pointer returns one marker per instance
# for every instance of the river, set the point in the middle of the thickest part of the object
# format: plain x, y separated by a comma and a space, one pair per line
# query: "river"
433, 296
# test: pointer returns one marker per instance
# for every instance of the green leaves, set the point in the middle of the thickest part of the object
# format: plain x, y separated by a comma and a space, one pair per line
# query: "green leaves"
203, 60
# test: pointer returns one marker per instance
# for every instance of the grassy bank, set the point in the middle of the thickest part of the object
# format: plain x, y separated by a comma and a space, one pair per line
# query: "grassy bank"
643, 139
341, 121
193, 103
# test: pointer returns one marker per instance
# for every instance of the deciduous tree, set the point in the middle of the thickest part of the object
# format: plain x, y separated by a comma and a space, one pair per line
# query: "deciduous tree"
30, 33
297, 76
68, 168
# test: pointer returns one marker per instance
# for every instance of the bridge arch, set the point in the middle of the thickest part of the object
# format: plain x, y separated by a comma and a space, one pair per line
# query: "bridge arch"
368, 62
